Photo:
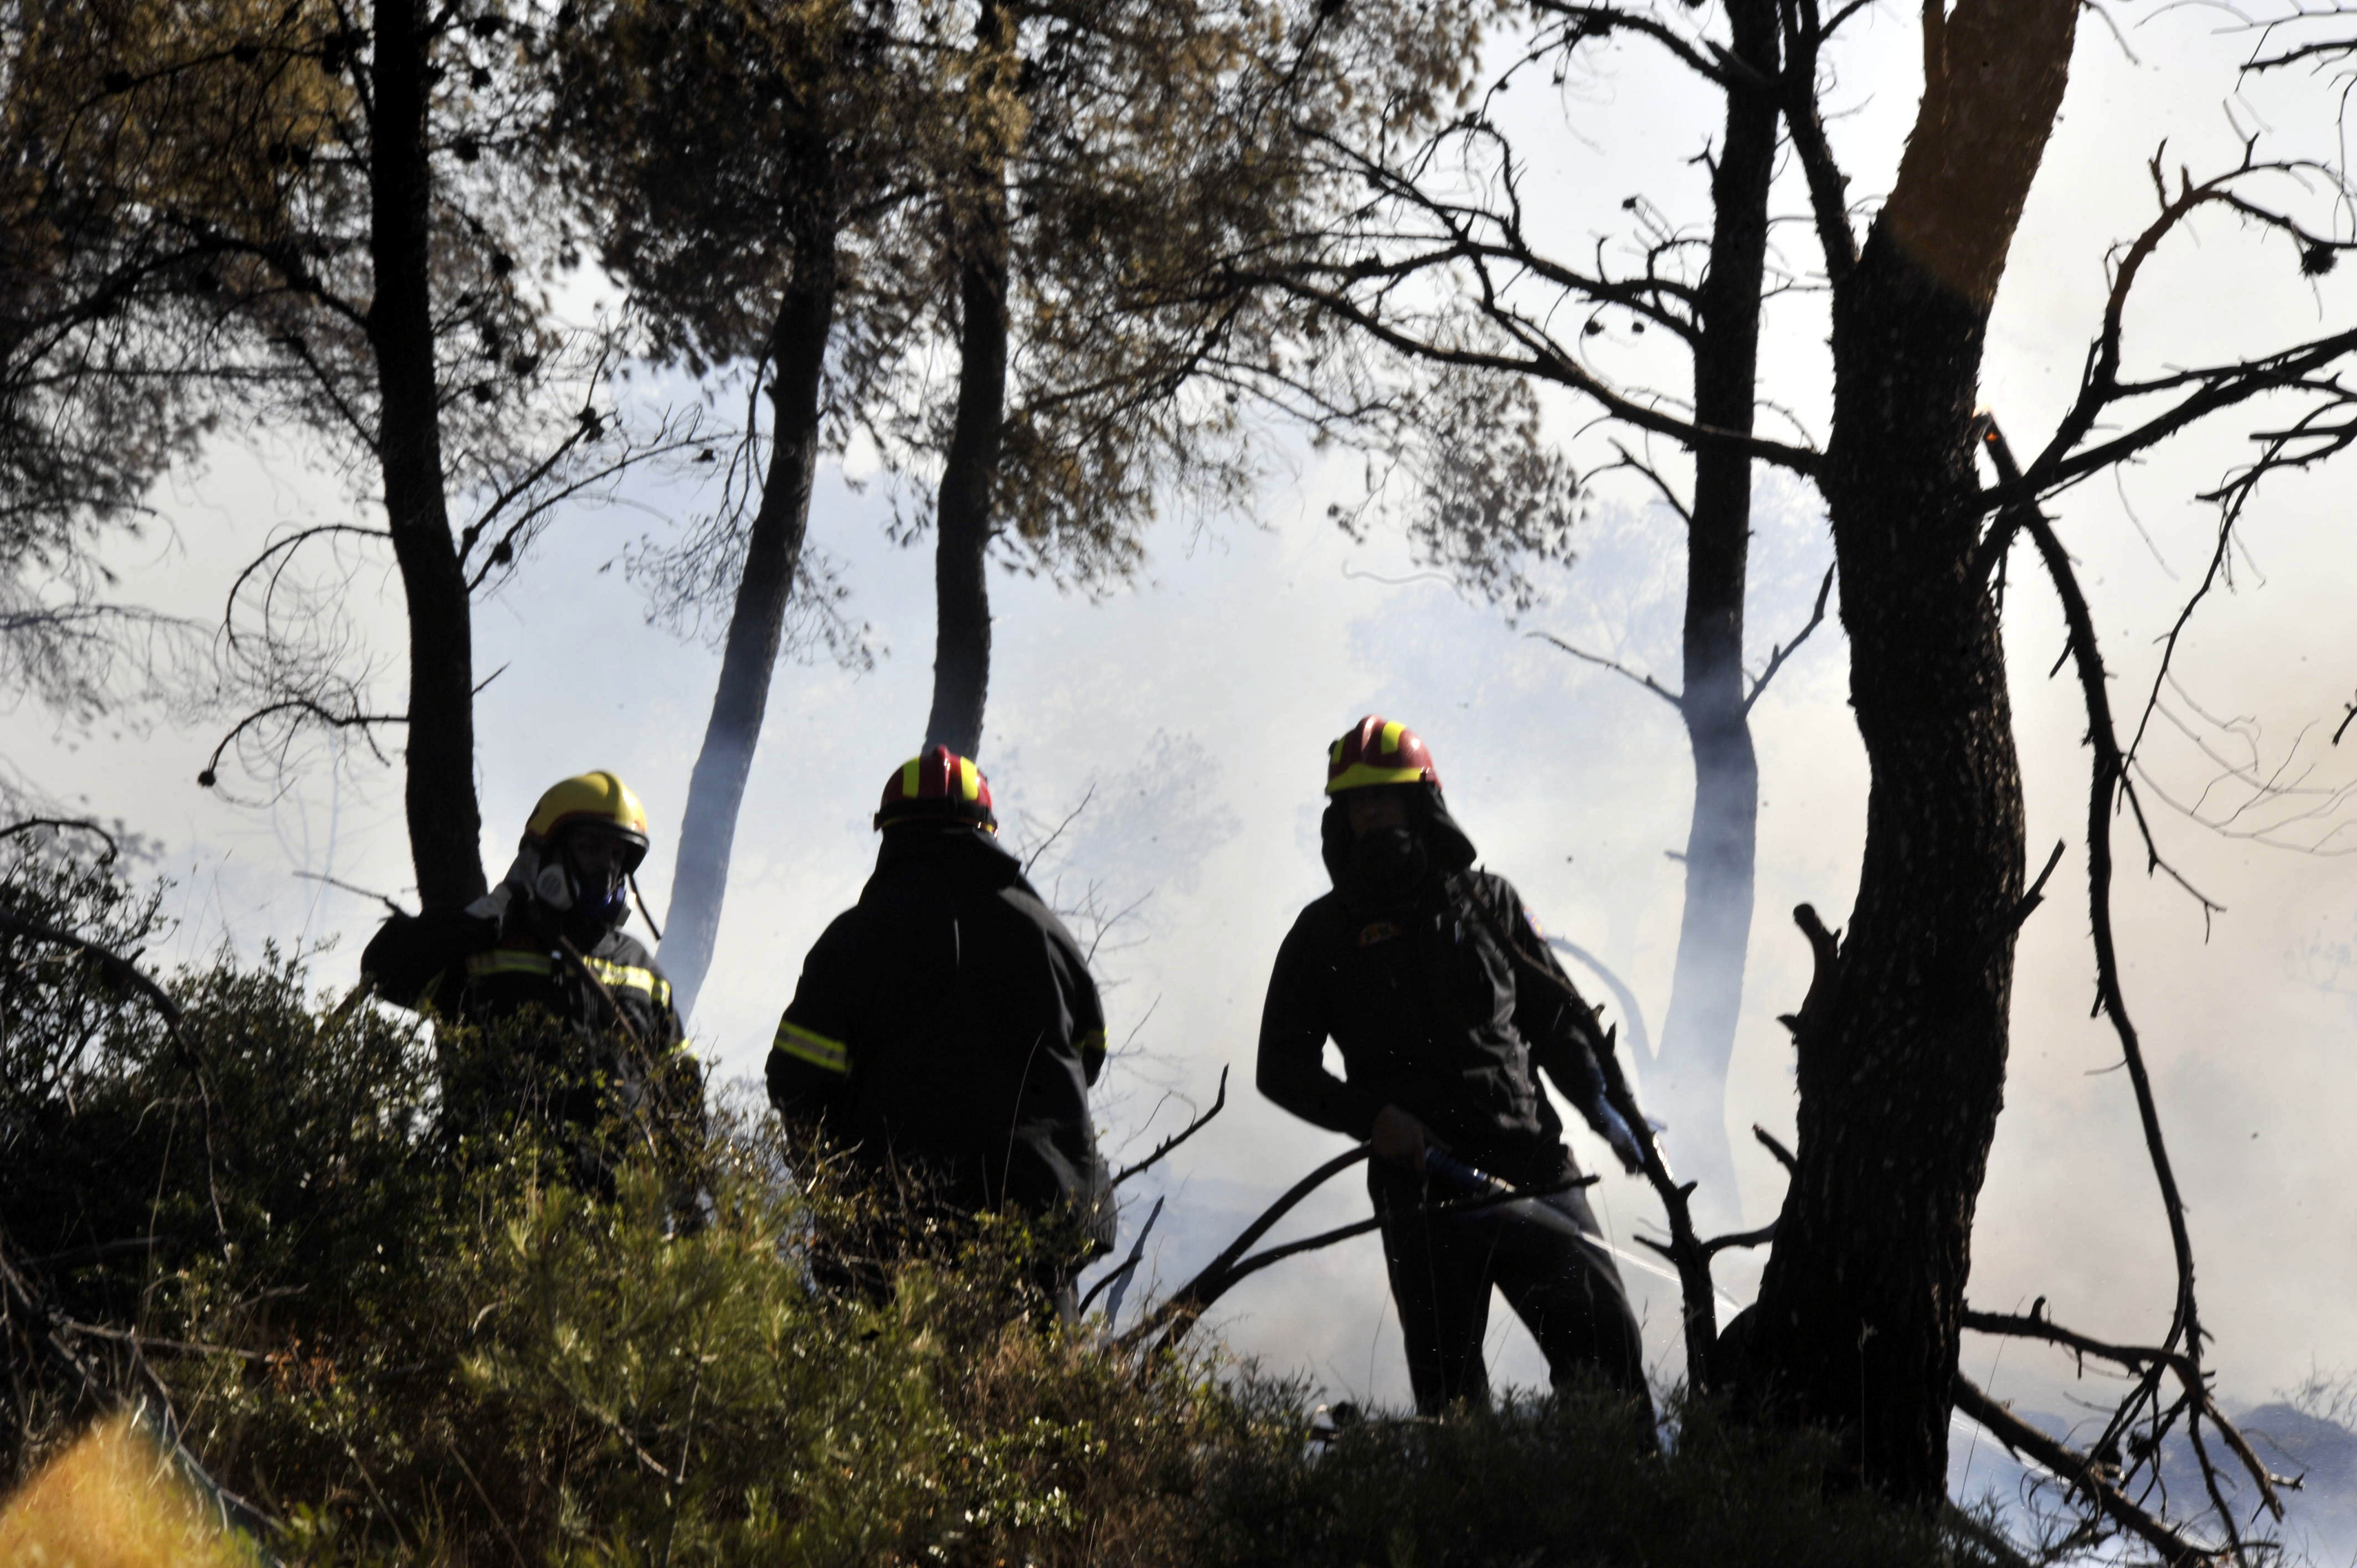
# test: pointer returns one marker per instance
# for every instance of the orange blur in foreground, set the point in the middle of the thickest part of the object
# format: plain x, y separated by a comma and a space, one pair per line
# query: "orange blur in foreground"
112, 1501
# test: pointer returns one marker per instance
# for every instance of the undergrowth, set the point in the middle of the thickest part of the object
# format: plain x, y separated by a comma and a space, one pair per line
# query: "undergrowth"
390, 1344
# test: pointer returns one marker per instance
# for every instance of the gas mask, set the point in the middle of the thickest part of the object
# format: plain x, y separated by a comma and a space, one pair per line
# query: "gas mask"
589, 903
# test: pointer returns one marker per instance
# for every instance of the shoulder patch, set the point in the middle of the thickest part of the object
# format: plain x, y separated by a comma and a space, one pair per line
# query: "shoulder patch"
1380, 931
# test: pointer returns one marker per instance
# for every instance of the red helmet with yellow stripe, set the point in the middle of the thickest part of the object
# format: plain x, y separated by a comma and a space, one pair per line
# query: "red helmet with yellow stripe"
937, 786
1377, 751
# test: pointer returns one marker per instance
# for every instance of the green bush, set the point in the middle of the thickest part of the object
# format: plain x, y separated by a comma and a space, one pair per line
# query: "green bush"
1565, 1479
400, 1345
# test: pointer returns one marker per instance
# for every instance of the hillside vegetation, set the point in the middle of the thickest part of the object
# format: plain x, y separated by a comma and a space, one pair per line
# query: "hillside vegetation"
384, 1345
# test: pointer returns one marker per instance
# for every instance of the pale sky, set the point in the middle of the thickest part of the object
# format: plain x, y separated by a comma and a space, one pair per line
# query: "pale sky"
1200, 703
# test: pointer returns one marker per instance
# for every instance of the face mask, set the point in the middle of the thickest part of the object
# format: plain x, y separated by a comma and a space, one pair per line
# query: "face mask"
1385, 863
594, 902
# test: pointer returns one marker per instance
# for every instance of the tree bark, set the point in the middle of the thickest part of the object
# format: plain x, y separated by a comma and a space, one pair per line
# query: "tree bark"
1707, 994
445, 822
963, 510
1903, 1044
773, 552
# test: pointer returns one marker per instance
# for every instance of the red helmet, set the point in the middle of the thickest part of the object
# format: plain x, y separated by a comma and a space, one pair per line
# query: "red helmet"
1377, 751
937, 786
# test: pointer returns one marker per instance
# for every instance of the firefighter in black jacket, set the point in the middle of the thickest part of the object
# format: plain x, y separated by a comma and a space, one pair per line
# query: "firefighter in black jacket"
1427, 973
946, 1029
548, 940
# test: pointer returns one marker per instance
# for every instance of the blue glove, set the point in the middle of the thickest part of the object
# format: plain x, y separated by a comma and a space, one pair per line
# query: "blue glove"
1623, 1142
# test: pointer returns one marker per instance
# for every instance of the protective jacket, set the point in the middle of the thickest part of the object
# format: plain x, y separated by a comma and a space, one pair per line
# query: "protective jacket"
486, 970
948, 1022
487, 965
1428, 994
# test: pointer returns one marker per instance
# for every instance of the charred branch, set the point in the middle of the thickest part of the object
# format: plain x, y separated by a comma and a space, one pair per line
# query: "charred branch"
1179, 1311
1127, 1269
1169, 1322
1778, 655
1824, 949
1163, 1149
2082, 1476
2109, 784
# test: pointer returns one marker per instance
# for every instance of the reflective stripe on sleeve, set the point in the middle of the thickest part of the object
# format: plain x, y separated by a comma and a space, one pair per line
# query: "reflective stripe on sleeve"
829, 1056
629, 977
618, 977
509, 961
1093, 1040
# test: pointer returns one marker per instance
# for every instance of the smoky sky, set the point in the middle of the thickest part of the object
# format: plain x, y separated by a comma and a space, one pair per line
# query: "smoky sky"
1191, 712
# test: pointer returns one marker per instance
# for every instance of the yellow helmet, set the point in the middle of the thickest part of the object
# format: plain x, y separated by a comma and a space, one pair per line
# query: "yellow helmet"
590, 799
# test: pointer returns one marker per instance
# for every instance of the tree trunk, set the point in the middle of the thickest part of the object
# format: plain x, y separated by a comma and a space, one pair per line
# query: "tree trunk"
1707, 995
773, 553
961, 514
445, 822
1902, 1043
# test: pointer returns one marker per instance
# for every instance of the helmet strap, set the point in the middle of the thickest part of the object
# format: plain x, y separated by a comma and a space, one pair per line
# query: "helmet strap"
641, 899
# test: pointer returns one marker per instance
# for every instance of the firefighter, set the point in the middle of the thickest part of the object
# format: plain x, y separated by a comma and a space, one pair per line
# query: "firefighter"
946, 1031
1441, 994
548, 941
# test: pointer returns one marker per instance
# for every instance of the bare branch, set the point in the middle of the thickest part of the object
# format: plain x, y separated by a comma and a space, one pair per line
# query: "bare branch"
1618, 668
2080, 1472
1661, 485
1776, 656
2109, 782
1828, 187
1162, 1149
1127, 1268
1070, 818
1601, 21
385, 899
1181, 1308
1179, 1314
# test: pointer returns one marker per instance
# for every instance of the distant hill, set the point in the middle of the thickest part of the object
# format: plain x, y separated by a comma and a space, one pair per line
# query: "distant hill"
2320, 1519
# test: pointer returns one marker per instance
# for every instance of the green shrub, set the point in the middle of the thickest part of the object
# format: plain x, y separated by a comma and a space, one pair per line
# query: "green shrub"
1565, 1479
402, 1345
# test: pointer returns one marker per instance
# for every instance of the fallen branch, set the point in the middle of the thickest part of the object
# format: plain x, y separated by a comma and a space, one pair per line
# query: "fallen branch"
1175, 1317
2080, 1475
2135, 1357
1190, 1299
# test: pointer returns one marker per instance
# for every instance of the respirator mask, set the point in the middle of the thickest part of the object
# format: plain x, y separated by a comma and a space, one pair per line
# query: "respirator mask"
592, 898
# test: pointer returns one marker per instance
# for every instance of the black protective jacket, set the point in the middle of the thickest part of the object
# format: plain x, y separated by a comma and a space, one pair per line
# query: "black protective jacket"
488, 969
1431, 999
948, 1022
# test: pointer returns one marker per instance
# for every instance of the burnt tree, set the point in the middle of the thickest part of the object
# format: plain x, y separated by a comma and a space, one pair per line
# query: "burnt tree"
1902, 1047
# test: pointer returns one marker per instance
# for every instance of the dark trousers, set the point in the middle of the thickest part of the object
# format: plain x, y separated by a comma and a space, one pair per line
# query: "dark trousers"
1543, 1252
